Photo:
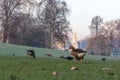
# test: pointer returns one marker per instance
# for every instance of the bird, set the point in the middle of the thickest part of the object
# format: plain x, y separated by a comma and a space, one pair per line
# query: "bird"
77, 50
67, 57
103, 59
77, 53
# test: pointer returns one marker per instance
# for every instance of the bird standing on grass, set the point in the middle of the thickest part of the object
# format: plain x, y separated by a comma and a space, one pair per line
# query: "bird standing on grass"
77, 53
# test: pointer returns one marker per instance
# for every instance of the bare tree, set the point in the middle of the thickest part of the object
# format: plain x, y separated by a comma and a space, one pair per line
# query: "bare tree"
118, 32
9, 9
109, 32
20, 26
52, 15
95, 26
95, 29
106, 37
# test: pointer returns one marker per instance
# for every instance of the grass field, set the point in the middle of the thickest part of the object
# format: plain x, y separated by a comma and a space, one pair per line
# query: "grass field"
22, 67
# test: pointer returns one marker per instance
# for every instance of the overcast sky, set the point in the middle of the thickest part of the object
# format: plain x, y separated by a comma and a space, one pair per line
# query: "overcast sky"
82, 12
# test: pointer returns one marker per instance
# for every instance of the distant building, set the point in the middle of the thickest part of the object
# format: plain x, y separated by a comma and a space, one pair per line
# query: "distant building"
74, 40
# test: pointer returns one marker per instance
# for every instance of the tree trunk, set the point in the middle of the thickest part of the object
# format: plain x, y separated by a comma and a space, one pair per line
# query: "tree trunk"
5, 37
6, 32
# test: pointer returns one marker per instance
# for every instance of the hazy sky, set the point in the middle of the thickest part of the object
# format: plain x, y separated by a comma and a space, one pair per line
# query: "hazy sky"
82, 12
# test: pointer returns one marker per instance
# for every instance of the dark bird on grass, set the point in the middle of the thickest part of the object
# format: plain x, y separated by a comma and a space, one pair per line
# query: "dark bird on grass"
103, 59
111, 73
43, 69
67, 57
31, 53
13, 54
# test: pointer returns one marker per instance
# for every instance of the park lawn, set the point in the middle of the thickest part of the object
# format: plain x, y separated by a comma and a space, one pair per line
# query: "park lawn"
25, 68
22, 67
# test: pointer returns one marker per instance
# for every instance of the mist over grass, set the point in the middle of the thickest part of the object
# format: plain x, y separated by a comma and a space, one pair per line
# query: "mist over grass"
19, 50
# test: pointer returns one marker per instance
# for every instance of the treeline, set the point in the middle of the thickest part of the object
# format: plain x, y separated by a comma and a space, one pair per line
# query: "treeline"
39, 23
105, 37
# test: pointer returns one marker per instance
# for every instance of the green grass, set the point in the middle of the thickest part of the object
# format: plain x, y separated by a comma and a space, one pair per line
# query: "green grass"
22, 67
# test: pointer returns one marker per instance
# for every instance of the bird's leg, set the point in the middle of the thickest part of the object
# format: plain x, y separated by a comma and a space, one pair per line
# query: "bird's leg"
81, 60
